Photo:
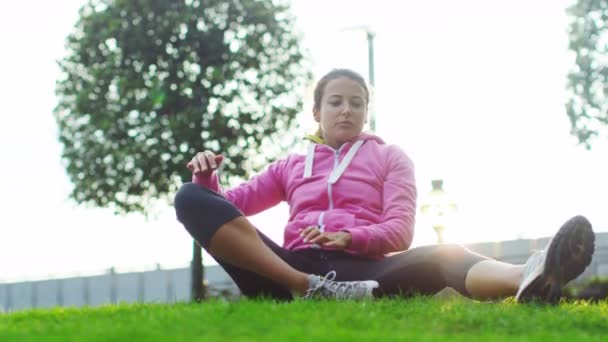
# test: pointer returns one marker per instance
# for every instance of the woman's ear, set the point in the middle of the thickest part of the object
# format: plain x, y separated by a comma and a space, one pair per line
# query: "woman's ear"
316, 114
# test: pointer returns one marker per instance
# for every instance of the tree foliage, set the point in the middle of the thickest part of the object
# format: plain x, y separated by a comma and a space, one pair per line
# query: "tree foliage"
147, 83
587, 106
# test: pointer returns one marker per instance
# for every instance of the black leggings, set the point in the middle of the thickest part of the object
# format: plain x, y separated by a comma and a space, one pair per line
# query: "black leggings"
422, 270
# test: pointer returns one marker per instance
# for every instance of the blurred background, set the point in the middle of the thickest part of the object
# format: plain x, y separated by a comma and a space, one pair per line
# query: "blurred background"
474, 91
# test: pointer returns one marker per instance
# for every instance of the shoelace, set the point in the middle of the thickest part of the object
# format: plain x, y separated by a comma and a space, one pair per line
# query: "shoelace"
328, 283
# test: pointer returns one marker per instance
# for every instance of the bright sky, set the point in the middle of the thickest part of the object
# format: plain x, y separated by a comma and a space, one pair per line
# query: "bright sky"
472, 90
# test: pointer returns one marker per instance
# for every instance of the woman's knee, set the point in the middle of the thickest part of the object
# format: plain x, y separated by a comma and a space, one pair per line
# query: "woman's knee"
447, 252
184, 196
202, 210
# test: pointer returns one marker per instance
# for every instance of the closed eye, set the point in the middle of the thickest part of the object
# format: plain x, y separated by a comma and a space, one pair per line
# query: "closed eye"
356, 104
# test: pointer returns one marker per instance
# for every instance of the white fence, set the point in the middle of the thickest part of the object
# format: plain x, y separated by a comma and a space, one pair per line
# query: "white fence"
158, 286
173, 285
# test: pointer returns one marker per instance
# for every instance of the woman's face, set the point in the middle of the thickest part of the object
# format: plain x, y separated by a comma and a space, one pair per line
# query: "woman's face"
342, 111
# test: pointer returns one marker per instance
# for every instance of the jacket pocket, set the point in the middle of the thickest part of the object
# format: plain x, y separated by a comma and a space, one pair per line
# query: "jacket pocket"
337, 220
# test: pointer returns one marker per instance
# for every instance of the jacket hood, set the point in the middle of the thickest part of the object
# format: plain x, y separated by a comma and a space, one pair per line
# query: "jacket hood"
336, 173
363, 136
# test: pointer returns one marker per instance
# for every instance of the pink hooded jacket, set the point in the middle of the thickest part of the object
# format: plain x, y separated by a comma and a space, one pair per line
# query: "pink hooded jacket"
366, 188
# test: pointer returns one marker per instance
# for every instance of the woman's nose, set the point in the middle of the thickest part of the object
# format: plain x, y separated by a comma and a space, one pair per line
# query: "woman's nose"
346, 110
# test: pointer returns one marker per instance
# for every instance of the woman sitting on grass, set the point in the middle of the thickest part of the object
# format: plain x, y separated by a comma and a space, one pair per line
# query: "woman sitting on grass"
352, 201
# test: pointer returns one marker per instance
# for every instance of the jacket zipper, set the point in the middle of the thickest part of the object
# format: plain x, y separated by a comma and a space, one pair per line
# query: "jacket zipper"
329, 190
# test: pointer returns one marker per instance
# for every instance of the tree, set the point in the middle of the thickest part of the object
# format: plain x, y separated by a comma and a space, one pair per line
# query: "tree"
146, 84
587, 106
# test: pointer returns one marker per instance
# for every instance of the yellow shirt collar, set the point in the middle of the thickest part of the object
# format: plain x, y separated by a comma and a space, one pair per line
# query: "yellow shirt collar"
314, 138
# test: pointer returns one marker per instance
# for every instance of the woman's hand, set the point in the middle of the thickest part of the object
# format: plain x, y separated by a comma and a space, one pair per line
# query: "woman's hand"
204, 163
338, 240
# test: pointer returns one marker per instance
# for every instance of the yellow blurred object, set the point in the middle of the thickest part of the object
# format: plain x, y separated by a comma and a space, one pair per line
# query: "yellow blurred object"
439, 208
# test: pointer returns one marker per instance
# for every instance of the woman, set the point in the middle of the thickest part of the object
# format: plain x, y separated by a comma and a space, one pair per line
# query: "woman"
352, 201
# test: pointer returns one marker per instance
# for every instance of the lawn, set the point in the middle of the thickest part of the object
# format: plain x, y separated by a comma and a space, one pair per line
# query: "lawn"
416, 319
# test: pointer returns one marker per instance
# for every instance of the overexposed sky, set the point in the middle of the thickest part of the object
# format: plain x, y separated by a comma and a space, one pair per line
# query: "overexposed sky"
473, 91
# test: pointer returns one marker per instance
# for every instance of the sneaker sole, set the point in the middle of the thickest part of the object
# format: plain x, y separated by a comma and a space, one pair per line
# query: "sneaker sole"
569, 253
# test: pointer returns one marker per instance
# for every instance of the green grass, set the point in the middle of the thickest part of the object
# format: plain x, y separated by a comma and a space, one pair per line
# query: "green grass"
418, 319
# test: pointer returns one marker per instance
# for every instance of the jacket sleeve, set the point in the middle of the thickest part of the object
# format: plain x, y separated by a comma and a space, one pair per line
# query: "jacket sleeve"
261, 192
210, 182
396, 230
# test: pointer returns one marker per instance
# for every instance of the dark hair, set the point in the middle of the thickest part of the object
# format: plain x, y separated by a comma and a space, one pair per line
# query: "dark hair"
332, 75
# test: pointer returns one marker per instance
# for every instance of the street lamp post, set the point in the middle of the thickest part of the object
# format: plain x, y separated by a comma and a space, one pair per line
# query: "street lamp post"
370, 69
438, 207
370, 65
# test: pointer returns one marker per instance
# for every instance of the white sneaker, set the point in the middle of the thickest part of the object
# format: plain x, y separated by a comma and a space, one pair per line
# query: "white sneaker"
326, 287
566, 256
